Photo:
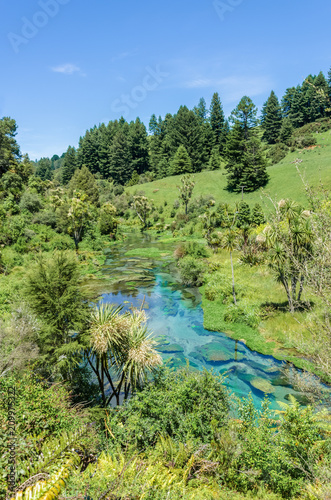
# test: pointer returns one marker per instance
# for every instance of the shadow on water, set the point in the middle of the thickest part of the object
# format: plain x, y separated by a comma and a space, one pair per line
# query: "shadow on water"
176, 318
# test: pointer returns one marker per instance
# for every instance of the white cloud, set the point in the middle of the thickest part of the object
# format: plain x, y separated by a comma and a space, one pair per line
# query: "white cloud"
199, 83
233, 88
124, 55
67, 69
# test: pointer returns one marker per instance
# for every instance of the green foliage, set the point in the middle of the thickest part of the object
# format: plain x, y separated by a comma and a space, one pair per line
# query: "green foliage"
181, 163
246, 164
258, 217
219, 287
52, 290
196, 250
30, 202
79, 216
286, 131
179, 404
215, 159
107, 219
271, 119
242, 314
186, 190
191, 271
277, 152
42, 411
119, 350
44, 169
143, 207
83, 181
217, 124
69, 166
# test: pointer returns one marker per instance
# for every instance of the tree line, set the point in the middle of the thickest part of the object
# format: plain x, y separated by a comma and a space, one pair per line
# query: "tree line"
195, 139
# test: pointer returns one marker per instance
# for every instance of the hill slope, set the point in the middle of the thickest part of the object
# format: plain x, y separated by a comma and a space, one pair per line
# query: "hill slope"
284, 181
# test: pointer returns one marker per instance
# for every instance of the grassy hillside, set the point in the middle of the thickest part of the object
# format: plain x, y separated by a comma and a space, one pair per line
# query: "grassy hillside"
284, 181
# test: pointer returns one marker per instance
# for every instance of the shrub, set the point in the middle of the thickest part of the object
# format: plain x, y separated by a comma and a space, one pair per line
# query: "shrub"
247, 315
219, 287
62, 242
172, 214
179, 404
303, 141
192, 271
195, 249
30, 202
277, 152
47, 218
155, 216
42, 411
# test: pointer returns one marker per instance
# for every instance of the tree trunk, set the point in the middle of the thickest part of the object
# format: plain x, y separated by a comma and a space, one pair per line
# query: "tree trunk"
302, 281
233, 286
288, 293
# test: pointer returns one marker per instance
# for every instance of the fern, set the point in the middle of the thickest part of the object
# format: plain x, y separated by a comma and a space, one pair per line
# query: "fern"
56, 452
49, 490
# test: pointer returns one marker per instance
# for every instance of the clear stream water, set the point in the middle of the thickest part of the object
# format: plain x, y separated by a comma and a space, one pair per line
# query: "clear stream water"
175, 316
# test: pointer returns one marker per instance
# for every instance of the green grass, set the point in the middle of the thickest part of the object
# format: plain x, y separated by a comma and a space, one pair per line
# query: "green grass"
278, 331
149, 252
285, 182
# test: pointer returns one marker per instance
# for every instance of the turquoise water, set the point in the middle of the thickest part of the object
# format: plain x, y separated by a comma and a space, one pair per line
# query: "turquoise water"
175, 316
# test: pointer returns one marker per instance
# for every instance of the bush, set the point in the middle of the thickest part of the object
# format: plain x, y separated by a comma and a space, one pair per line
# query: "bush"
172, 214
247, 315
155, 216
277, 152
179, 404
303, 141
219, 287
47, 218
30, 202
42, 411
195, 249
62, 242
192, 271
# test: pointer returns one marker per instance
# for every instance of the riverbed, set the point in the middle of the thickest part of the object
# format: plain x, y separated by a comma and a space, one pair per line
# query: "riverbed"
175, 317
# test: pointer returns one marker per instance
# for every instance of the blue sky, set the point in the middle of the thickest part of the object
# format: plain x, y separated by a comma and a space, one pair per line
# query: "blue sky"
70, 64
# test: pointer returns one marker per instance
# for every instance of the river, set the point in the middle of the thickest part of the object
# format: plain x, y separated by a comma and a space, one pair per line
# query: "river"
175, 317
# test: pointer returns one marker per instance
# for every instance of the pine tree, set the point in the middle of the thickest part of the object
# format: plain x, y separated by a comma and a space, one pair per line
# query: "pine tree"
217, 122
329, 83
44, 169
271, 119
139, 147
235, 147
181, 163
214, 160
287, 102
9, 149
201, 111
286, 130
120, 159
153, 125
254, 173
246, 164
69, 165
244, 115
320, 101
185, 130
243, 215
298, 106
257, 215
